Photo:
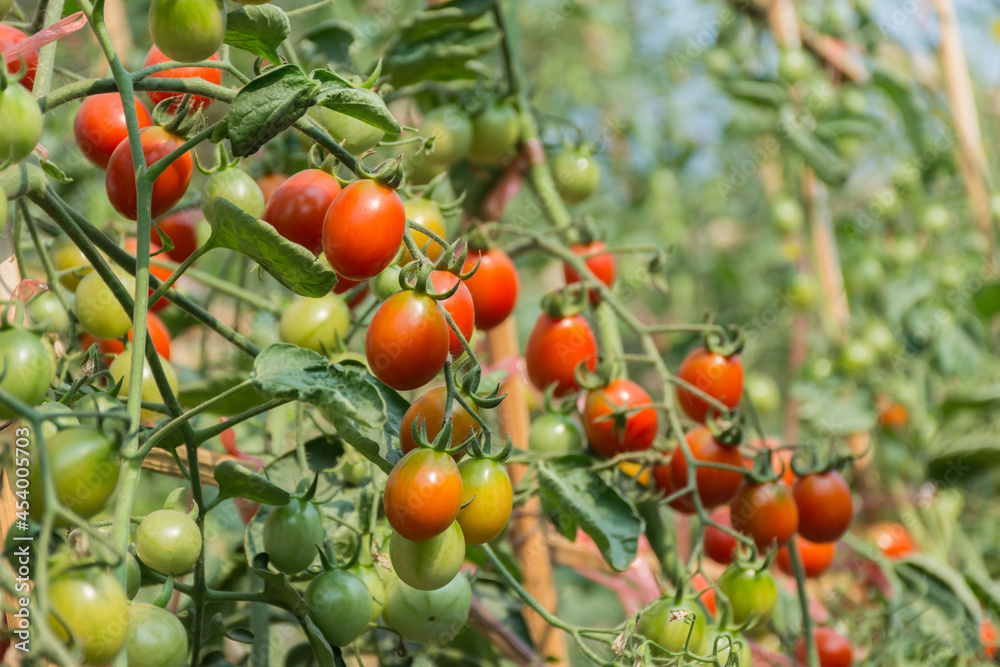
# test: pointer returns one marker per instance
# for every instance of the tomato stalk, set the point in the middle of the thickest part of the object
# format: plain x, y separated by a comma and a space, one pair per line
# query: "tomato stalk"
812, 653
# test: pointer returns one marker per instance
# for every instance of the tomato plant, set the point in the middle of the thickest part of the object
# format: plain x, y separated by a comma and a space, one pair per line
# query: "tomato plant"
99, 126
407, 341
429, 617
340, 605
423, 494
169, 186
459, 306
292, 534
576, 174
27, 368
493, 286
298, 207
616, 421
673, 627
825, 506
90, 610
893, 540
22, 127
155, 636
428, 412
600, 263
83, 468
556, 347
714, 486
429, 564
752, 594
555, 432
487, 500
495, 131
316, 324
426, 213
187, 30
717, 375
766, 512
719, 545
10, 37
816, 558
234, 186
356, 136
363, 229
168, 541
112, 346
834, 650
209, 74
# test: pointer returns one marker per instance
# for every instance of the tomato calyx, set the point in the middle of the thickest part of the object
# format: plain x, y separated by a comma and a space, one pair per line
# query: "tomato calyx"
727, 341
388, 172
810, 460
180, 119
565, 302
726, 429
763, 470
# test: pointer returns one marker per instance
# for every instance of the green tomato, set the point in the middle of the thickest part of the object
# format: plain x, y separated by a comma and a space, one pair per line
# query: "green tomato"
373, 582
187, 30
316, 324
907, 176
22, 123
418, 166
133, 576
429, 564
576, 174
887, 204
106, 405
235, 186
495, 132
26, 367
720, 62
487, 500
63, 418
89, 609
764, 392
803, 291
668, 625
66, 256
429, 617
156, 637
97, 309
356, 136
752, 594
879, 337
386, 283
722, 645
820, 369
46, 310
168, 541
867, 275
556, 433
83, 464
452, 132
355, 473
949, 276
120, 370
340, 605
820, 96
795, 65
935, 219
787, 214
292, 533
3, 211
857, 356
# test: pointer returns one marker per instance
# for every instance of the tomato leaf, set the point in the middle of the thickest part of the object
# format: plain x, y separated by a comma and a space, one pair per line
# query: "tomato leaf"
235, 481
987, 590
441, 56
940, 583
322, 453
582, 497
258, 29
965, 456
334, 40
194, 393
267, 106
291, 265
361, 103
451, 13
987, 300
373, 443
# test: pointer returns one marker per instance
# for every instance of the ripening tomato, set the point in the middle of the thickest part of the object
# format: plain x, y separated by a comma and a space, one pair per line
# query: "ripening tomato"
363, 229
187, 30
319, 325
298, 207
766, 512
113, 346
752, 594
269, 183
96, 308
715, 486
9, 38
781, 459
459, 306
487, 500
169, 187
632, 431
705, 592
892, 416
428, 411
601, 264
99, 126
423, 494
834, 650
210, 74
407, 341
186, 229
825, 506
989, 638
556, 347
816, 558
718, 376
426, 213
168, 541
893, 540
493, 286
719, 545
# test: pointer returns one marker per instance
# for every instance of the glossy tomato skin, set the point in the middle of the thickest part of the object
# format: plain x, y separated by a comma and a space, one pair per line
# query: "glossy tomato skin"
319, 325
210, 74
184, 229
92, 613
429, 617
893, 540
715, 487
156, 637
27, 368
84, 466
718, 376
610, 437
22, 126
340, 605
66, 255
495, 131
601, 264
834, 650
459, 306
487, 500
235, 186
168, 541
766, 512
720, 546
99, 126
555, 348
292, 534
816, 558
493, 287
428, 410
672, 631
576, 174
423, 494
825, 506
664, 479
555, 432
426, 213
429, 564
407, 341
363, 229
10, 37
751, 594
298, 207
169, 187
187, 30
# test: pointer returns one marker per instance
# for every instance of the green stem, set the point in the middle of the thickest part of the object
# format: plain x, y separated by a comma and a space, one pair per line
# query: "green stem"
47, 13
812, 654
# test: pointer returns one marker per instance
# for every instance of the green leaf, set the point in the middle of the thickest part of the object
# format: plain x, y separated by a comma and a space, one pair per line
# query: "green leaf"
258, 29
980, 398
764, 93
442, 56
987, 300
431, 20
195, 393
322, 453
987, 590
291, 265
235, 481
371, 442
55, 173
965, 457
267, 106
956, 352
334, 40
609, 518
361, 103
945, 585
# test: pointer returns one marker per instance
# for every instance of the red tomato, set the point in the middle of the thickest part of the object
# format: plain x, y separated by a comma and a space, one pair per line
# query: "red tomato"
493, 287
719, 545
825, 506
112, 347
428, 410
715, 487
893, 540
766, 512
182, 230
718, 376
834, 650
555, 348
297, 208
633, 432
344, 285
663, 477
363, 229
160, 272
407, 341
210, 74
99, 126
459, 306
9, 37
989, 638
816, 558
169, 187
892, 416
268, 183
602, 264
423, 494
